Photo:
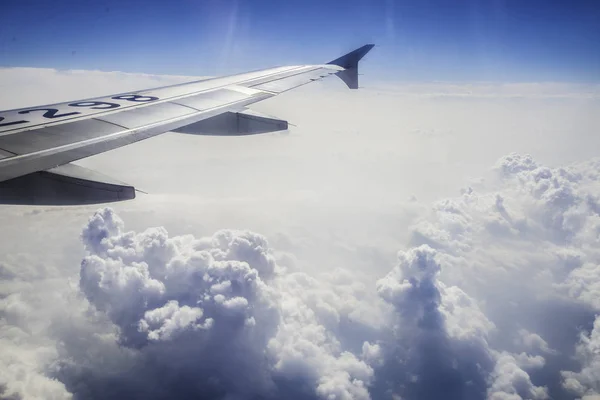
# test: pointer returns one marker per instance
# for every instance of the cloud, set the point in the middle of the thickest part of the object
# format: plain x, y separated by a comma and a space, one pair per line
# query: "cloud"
493, 91
510, 381
527, 249
444, 335
222, 313
586, 383
228, 316
533, 342
433, 344
217, 310
493, 294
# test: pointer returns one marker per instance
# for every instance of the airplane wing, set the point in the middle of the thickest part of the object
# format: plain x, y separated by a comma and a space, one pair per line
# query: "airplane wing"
38, 143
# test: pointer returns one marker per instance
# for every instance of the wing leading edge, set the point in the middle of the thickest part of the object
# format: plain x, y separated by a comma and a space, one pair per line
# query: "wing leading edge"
35, 141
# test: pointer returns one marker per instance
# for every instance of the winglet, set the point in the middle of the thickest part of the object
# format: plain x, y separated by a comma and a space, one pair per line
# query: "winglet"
350, 62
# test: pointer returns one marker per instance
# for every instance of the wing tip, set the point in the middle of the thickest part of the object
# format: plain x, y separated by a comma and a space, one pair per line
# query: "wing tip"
351, 59
350, 64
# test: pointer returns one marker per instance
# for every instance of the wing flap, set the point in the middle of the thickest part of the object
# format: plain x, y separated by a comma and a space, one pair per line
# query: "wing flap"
211, 99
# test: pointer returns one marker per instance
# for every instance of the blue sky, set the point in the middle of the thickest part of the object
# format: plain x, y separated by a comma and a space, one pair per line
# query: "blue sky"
429, 40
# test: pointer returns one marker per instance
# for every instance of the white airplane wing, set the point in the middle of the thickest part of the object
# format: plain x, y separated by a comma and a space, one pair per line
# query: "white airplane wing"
38, 143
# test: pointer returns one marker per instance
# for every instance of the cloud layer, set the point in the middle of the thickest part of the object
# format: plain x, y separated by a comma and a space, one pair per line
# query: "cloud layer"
493, 294
469, 311
493, 298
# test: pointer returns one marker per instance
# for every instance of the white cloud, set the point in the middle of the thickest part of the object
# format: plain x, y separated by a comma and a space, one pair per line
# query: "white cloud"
171, 319
241, 325
533, 342
488, 297
494, 91
586, 382
510, 381
530, 241
291, 333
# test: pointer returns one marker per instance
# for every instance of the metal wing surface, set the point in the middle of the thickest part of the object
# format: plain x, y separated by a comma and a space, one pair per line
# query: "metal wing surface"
39, 140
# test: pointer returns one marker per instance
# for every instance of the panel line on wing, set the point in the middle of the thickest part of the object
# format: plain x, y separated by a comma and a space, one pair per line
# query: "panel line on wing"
125, 106
184, 105
28, 163
5, 153
281, 70
119, 133
110, 122
49, 137
254, 84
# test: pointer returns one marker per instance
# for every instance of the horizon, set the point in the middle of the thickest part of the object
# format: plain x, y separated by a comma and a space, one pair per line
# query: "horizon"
471, 41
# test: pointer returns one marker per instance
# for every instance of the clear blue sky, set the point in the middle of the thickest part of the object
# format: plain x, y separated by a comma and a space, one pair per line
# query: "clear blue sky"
419, 40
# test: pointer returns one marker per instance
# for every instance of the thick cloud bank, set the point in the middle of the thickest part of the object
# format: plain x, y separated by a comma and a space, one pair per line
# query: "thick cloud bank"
495, 297
217, 317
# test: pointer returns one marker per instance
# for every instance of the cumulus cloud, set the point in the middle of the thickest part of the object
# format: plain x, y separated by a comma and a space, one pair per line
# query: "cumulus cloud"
227, 316
494, 294
432, 341
216, 294
219, 313
533, 342
528, 248
510, 381
586, 382
448, 345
